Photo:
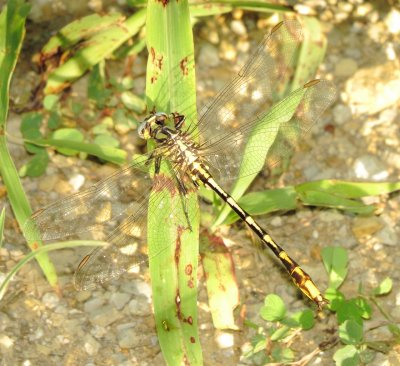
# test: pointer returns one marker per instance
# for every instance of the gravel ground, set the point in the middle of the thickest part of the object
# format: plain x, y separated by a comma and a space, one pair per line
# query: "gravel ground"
358, 139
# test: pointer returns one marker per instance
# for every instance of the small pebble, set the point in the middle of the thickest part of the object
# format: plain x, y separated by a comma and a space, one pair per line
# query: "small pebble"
105, 315
77, 181
139, 308
208, 56
341, 114
238, 27
392, 21
119, 300
92, 305
346, 67
129, 338
91, 346
50, 300
6, 342
364, 226
369, 167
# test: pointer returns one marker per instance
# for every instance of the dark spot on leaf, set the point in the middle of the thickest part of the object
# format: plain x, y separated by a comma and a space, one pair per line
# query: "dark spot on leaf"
184, 66
189, 269
178, 243
164, 2
190, 284
192, 340
190, 320
163, 182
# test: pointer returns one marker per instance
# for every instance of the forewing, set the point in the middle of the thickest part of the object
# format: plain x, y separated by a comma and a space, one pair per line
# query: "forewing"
249, 96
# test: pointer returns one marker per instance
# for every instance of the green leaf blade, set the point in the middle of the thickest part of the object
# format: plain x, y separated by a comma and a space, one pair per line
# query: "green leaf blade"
274, 308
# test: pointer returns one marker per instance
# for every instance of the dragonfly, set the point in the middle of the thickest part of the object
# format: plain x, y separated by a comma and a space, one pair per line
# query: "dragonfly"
209, 153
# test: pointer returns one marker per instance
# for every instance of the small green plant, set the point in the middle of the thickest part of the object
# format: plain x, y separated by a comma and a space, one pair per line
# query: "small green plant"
272, 344
352, 313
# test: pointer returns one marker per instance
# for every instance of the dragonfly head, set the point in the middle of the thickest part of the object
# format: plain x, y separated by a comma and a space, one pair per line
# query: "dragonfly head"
157, 123
151, 125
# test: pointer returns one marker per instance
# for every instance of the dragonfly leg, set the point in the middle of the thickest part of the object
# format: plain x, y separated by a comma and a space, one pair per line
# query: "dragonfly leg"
184, 193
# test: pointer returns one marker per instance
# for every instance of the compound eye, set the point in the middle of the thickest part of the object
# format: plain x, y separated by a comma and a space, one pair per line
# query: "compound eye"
160, 119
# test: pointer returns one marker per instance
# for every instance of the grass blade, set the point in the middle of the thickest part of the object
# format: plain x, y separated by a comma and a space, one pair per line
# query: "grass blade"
170, 87
40, 252
2, 219
330, 193
111, 154
99, 46
12, 31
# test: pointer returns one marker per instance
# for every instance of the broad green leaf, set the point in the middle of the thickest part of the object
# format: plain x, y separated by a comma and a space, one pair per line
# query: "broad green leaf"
259, 203
274, 308
260, 344
106, 140
68, 134
54, 120
282, 355
30, 130
350, 310
335, 261
50, 102
100, 129
76, 107
350, 332
279, 334
384, 287
133, 102
347, 356
364, 307
36, 166
335, 298
30, 125
303, 319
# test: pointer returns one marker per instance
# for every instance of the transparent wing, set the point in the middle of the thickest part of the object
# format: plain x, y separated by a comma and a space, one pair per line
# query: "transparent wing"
127, 245
271, 138
249, 96
93, 212
114, 210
